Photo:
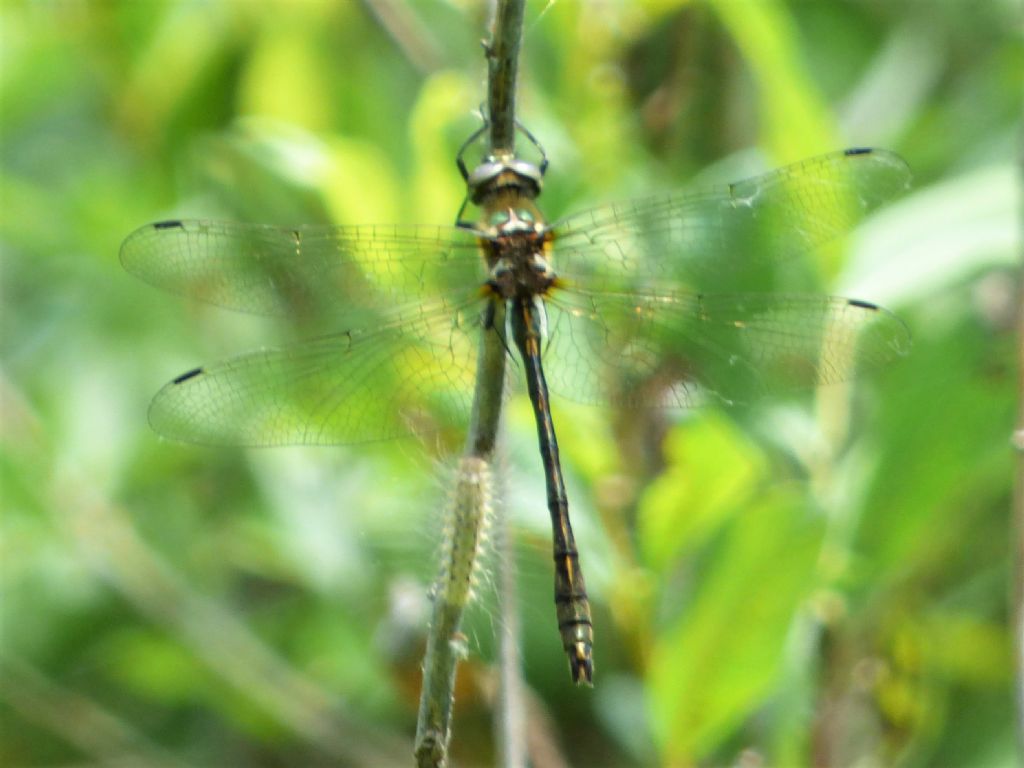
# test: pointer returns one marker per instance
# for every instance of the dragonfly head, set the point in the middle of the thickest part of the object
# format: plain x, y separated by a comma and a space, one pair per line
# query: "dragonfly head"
504, 173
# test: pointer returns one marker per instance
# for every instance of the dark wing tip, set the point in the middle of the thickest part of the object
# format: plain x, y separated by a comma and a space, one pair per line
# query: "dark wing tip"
894, 331
886, 173
882, 158
863, 304
129, 252
187, 375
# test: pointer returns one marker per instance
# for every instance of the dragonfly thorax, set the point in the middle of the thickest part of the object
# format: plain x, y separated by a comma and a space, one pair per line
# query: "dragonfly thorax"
521, 274
514, 244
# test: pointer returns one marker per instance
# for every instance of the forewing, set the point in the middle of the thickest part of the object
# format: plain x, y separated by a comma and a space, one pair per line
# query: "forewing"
709, 237
309, 270
676, 349
349, 387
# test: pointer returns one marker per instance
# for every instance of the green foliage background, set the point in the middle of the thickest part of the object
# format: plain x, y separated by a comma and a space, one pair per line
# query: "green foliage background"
820, 584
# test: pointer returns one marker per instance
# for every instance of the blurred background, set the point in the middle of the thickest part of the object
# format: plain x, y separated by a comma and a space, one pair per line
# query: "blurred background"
824, 581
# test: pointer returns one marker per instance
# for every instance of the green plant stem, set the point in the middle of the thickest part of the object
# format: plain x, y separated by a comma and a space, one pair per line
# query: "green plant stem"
445, 644
1017, 596
502, 67
510, 733
464, 530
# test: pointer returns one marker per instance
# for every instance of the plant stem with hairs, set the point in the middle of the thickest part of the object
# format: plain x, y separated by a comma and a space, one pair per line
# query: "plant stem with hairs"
470, 505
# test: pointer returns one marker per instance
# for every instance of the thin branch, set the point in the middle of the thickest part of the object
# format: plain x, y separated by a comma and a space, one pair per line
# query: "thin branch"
502, 67
469, 507
510, 722
465, 529
411, 37
1017, 596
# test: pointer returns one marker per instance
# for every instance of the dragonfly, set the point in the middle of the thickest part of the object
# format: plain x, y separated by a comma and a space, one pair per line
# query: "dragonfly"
663, 301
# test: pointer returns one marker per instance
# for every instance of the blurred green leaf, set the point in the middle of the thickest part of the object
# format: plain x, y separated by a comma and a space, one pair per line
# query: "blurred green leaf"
712, 666
286, 77
712, 473
443, 112
795, 119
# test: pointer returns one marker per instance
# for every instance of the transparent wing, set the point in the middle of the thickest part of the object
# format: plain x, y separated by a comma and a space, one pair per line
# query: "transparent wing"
307, 270
701, 236
347, 387
674, 349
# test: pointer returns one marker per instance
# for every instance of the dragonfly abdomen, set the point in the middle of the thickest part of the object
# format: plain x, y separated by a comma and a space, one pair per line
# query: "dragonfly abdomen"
572, 606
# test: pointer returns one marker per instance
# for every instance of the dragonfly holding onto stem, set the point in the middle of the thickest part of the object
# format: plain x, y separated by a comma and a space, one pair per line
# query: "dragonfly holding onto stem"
668, 299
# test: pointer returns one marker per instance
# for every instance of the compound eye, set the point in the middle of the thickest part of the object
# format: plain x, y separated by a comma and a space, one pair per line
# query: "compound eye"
498, 218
